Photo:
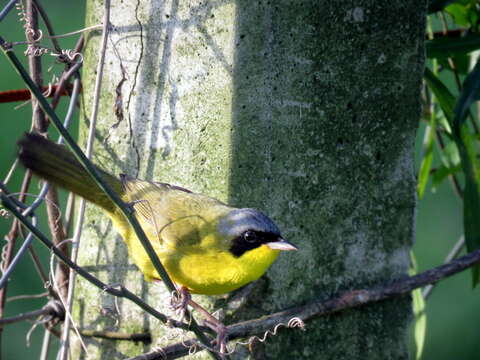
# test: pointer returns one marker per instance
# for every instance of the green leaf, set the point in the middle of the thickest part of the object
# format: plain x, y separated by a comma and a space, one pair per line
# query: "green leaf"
452, 46
420, 321
466, 147
462, 63
419, 313
471, 195
470, 93
442, 173
463, 12
443, 123
426, 164
450, 156
444, 97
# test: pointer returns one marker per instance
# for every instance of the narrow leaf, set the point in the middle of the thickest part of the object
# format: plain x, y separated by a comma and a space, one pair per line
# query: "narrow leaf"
420, 321
450, 156
444, 97
451, 46
442, 173
466, 147
420, 316
461, 62
426, 164
470, 93
438, 5
471, 198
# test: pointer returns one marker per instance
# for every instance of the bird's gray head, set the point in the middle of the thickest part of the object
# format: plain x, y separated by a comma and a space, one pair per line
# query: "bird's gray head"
250, 229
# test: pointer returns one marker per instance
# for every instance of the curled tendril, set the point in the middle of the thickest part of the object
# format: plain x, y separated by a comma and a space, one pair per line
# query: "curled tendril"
69, 55
192, 349
194, 346
3, 260
35, 35
36, 50
294, 322
32, 33
48, 91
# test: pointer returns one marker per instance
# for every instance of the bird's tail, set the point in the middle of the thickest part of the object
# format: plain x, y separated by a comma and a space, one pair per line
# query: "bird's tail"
56, 164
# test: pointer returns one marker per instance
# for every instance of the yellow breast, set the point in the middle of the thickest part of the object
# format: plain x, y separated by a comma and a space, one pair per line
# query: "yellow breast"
202, 270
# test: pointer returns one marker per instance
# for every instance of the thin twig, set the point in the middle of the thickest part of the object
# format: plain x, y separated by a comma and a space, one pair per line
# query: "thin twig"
62, 271
45, 344
26, 245
7, 8
48, 25
41, 272
145, 337
66, 75
10, 172
25, 316
89, 28
23, 297
456, 249
50, 309
63, 351
69, 213
10, 247
40, 124
23, 249
35, 66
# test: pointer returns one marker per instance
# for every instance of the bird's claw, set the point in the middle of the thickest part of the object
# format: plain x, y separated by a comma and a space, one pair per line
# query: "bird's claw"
179, 301
220, 343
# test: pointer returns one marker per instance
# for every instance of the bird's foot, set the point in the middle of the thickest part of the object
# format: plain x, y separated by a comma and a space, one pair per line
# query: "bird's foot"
220, 343
179, 301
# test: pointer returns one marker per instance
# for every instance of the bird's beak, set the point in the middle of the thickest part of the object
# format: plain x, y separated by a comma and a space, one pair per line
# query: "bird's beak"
281, 244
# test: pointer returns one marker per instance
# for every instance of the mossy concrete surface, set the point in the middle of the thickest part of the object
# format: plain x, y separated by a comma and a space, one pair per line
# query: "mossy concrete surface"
306, 110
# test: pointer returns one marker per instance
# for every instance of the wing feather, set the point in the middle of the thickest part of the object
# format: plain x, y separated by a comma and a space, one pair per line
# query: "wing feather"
178, 218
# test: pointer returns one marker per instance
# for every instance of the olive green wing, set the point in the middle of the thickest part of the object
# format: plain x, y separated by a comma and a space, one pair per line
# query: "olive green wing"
171, 216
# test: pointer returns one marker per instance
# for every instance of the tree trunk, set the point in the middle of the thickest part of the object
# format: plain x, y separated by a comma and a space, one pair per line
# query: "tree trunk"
306, 110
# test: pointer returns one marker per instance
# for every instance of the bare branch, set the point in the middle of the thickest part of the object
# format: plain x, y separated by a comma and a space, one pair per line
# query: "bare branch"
48, 24
8, 251
52, 308
24, 94
7, 9
145, 337
25, 316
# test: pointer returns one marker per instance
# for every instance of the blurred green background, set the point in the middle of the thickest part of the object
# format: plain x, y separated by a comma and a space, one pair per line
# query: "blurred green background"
66, 16
451, 309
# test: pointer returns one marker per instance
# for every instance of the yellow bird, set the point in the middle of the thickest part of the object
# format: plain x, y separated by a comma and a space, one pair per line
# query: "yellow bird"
205, 245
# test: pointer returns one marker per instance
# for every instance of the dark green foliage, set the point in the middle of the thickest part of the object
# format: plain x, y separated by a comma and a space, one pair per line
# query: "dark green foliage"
461, 125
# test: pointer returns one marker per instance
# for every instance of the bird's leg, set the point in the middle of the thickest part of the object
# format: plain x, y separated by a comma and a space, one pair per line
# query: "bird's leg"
180, 300
213, 323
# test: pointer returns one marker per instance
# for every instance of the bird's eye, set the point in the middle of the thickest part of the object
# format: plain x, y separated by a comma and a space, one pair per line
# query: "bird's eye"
250, 236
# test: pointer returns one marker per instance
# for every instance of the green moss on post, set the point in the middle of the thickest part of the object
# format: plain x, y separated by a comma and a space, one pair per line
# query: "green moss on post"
306, 110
